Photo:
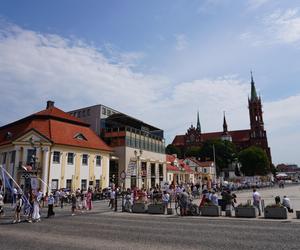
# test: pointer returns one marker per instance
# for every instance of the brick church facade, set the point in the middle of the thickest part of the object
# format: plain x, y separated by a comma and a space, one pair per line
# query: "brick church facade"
255, 136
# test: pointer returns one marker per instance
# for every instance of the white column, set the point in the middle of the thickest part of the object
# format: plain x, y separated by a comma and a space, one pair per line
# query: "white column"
106, 181
17, 160
45, 167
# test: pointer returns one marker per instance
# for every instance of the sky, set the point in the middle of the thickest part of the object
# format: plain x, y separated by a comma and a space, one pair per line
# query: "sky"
159, 61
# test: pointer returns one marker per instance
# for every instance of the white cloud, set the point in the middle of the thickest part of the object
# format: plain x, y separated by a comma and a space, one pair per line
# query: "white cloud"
181, 42
285, 25
279, 27
36, 67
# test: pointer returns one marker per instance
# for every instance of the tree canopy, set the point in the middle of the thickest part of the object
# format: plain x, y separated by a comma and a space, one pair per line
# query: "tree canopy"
225, 152
193, 152
171, 149
254, 161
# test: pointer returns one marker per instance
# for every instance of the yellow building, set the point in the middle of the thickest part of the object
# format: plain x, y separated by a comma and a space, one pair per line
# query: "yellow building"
51, 150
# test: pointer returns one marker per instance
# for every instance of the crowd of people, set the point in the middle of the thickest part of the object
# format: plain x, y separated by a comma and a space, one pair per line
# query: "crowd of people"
29, 204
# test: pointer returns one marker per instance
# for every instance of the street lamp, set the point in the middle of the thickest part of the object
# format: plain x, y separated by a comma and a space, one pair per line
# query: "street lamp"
138, 156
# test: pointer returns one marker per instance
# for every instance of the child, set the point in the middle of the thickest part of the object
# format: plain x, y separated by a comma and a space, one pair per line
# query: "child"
50, 205
18, 208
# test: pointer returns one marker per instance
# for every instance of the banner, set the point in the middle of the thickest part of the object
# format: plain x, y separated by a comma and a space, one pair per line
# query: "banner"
131, 170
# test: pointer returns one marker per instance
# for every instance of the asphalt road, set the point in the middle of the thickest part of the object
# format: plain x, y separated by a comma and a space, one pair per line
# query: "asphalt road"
103, 229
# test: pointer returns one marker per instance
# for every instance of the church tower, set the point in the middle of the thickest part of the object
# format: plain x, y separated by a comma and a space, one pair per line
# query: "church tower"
198, 123
256, 114
225, 135
258, 134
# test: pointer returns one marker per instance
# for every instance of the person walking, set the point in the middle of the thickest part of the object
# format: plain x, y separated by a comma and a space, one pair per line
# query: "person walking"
30, 205
112, 198
183, 202
214, 198
89, 198
1, 206
62, 195
73, 203
165, 199
36, 209
256, 200
50, 206
19, 204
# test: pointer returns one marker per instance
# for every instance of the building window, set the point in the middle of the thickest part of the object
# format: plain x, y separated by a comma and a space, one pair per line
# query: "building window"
161, 170
204, 170
108, 112
88, 112
83, 113
97, 184
128, 141
83, 184
70, 158
98, 160
12, 156
152, 169
84, 159
56, 157
104, 111
69, 184
54, 184
80, 136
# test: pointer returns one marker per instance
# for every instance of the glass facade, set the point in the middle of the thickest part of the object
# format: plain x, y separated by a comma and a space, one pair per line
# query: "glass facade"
142, 140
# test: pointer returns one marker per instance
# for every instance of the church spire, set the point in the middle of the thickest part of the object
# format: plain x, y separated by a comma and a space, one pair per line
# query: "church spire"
225, 127
198, 123
253, 89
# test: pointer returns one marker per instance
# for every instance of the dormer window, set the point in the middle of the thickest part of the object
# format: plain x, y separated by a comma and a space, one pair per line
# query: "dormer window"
8, 135
80, 136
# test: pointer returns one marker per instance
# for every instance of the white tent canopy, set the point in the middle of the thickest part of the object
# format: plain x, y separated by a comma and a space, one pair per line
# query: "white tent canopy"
281, 175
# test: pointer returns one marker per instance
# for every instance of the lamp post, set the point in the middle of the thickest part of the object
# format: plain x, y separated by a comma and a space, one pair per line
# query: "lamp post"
138, 156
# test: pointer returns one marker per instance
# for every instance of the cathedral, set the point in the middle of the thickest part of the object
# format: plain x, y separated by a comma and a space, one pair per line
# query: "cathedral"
255, 136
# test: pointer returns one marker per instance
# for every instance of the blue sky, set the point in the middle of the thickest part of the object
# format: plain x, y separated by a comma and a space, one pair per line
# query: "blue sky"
160, 61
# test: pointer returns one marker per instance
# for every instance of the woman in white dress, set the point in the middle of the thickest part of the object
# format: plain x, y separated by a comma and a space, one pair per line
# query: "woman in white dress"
36, 209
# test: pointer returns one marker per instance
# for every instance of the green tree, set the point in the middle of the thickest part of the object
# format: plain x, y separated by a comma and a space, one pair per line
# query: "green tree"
171, 149
193, 152
225, 153
254, 161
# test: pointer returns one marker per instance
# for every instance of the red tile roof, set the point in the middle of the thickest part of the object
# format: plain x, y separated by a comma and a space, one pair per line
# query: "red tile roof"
56, 125
170, 167
57, 113
186, 167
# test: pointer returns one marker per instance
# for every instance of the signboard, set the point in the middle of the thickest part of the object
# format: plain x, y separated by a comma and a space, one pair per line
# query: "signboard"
131, 171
